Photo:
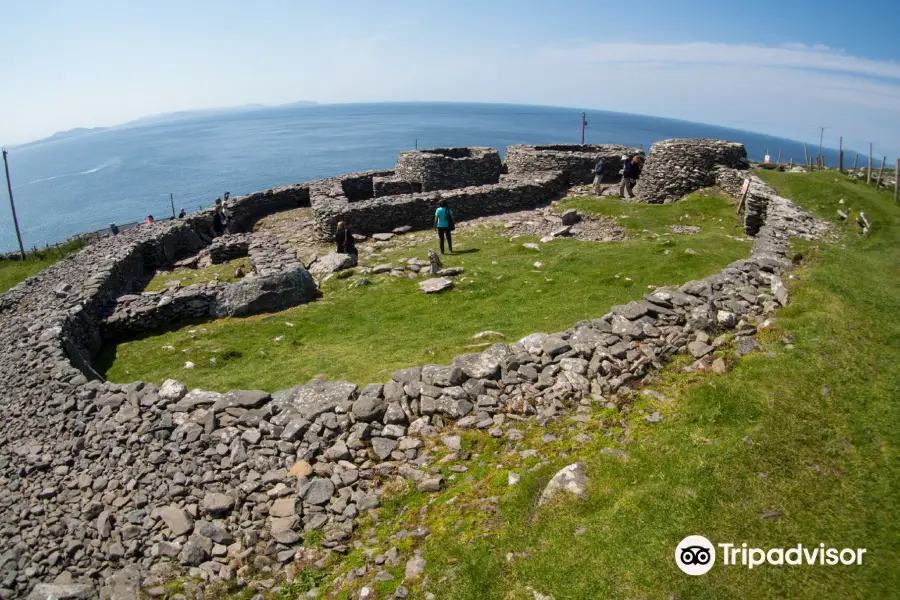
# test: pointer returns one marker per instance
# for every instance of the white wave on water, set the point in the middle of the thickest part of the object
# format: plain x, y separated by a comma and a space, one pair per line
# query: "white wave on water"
114, 162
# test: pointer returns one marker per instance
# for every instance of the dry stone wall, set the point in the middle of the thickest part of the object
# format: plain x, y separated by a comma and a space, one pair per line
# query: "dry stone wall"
576, 162
103, 483
278, 281
417, 210
675, 168
449, 168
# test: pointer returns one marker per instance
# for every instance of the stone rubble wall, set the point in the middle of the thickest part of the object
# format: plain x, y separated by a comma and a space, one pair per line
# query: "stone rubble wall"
577, 162
675, 168
417, 210
229, 247
449, 168
278, 281
99, 479
390, 186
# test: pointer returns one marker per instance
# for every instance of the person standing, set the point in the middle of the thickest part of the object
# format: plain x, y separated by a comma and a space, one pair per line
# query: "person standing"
443, 222
630, 174
181, 214
218, 218
343, 238
598, 177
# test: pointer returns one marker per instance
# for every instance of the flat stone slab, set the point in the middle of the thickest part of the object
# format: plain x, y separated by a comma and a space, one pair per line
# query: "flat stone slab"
438, 284
382, 237
316, 397
331, 263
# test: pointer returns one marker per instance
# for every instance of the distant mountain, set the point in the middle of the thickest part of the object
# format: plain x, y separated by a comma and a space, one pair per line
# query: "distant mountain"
180, 115
62, 135
204, 112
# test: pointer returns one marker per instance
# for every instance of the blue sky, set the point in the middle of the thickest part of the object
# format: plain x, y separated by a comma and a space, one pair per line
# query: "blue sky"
783, 69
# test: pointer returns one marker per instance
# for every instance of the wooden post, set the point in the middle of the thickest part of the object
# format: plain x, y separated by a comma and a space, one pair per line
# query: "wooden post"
869, 175
792, 163
841, 155
583, 126
806, 154
12, 205
778, 161
880, 172
172, 202
897, 182
855, 160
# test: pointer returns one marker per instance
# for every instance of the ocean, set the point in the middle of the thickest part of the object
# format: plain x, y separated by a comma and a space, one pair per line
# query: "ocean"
64, 186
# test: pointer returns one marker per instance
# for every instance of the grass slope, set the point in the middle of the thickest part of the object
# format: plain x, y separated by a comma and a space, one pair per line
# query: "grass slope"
364, 334
806, 432
16, 271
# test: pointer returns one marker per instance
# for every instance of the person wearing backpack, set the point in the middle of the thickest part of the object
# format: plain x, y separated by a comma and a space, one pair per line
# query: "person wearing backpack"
443, 222
598, 177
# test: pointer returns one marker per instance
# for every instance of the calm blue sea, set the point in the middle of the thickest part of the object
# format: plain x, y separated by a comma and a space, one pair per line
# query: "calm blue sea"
71, 185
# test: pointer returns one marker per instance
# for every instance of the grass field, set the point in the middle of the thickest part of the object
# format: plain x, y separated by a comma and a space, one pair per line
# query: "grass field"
15, 271
798, 444
364, 334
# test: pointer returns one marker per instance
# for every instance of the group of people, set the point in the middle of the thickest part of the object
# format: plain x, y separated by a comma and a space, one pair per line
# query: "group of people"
222, 215
630, 172
443, 223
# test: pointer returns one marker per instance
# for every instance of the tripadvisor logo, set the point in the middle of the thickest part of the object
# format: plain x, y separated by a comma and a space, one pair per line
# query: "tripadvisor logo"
696, 555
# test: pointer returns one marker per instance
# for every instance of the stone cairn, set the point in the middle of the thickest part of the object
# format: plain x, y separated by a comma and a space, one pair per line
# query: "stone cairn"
120, 487
675, 168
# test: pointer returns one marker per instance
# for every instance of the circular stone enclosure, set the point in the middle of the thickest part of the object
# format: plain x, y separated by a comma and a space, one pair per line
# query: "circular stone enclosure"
449, 168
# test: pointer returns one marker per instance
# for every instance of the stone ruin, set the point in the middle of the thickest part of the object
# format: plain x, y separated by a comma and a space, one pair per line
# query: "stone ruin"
675, 168
576, 162
449, 168
122, 486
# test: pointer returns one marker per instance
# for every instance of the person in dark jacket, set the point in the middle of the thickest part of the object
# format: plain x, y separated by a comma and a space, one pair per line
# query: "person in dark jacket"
630, 174
343, 238
181, 214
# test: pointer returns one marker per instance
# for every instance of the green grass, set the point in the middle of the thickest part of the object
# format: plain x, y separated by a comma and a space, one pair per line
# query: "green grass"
16, 271
364, 334
224, 272
811, 431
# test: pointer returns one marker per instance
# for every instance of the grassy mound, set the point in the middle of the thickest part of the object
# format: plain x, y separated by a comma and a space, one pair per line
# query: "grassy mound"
362, 334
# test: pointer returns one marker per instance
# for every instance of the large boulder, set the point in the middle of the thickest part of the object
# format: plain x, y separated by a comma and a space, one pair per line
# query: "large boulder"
332, 263
266, 294
571, 480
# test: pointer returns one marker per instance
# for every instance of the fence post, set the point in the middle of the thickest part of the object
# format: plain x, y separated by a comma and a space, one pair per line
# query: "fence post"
869, 176
841, 155
806, 155
897, 181
880, 172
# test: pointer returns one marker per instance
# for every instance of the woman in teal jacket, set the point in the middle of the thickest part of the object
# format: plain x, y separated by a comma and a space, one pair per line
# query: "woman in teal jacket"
443, 222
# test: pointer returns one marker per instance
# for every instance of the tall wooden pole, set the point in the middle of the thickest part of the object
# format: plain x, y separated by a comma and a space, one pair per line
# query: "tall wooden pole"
855, 160
12, 205
778, 160
897, 182
880, 172
869, 176
841, 155
172, 202
821, 158
583, 126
